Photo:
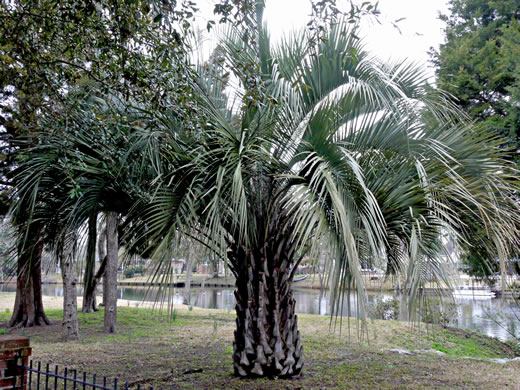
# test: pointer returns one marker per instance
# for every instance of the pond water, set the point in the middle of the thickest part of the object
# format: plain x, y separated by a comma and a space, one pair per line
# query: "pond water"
479, 315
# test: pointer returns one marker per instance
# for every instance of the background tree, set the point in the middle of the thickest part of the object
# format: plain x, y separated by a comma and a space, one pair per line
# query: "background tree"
50, 48
66, 254
478, 63
28, 307
90, 281
78, 168
478, 66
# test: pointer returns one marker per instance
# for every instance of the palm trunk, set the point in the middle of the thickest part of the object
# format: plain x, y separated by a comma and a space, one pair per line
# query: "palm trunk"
267, 341
70, 328
89, 280
28, 307
214, 270
102, 246
189, 267
110, 288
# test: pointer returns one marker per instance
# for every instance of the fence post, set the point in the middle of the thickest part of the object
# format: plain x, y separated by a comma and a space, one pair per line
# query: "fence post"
14, 352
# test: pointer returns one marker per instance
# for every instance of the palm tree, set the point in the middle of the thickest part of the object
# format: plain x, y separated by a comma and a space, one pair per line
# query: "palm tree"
75, 171
332, 147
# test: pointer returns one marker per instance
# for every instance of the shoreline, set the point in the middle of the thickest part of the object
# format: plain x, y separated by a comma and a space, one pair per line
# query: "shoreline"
296, 286
373, 283
7, 303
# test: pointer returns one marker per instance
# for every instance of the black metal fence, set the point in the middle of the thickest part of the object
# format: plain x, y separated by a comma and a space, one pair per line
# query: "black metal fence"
36, 377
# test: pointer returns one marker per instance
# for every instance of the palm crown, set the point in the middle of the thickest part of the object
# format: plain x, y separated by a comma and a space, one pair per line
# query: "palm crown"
340, 149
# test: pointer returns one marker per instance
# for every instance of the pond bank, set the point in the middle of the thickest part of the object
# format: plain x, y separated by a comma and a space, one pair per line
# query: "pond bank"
312, 281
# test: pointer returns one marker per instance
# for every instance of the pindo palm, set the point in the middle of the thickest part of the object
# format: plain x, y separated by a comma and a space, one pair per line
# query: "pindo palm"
338, 149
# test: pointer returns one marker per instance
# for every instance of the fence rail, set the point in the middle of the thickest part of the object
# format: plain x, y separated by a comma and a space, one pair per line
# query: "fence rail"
47, 379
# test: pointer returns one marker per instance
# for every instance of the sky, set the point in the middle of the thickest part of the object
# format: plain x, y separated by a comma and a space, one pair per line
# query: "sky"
418, 31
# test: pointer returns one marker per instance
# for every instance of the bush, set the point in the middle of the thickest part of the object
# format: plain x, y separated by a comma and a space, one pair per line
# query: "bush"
384, 308
131, 271
435, 311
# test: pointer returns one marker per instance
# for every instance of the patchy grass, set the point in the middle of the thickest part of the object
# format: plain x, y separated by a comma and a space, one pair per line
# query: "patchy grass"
156, 348
454, 342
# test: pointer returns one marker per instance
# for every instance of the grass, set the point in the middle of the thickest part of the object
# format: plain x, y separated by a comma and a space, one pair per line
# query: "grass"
454, 342
152, 349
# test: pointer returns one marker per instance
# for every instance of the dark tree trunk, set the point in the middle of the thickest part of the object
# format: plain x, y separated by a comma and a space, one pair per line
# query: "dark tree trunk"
111, 274
267, 340
89, 280
100, 274
189, 268
214, 269
28, 307
102, 252
70, 330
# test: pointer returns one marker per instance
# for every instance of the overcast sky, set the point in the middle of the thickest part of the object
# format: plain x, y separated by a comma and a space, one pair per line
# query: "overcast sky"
419, 30
420, 27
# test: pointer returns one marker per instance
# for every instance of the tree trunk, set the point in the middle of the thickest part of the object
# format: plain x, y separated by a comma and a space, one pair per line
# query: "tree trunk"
28, 307
189, 268
111, 274
102, 246
267, 341
214, 269
89, 280
70, 328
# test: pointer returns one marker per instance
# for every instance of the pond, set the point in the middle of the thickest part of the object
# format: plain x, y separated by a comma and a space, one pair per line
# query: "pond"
479, 315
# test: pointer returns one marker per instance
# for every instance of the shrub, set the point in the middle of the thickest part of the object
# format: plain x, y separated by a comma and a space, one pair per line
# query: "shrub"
384, 308
436, 311
131, 271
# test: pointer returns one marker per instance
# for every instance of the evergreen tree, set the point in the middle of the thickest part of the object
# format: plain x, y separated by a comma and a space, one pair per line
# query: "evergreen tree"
479, 65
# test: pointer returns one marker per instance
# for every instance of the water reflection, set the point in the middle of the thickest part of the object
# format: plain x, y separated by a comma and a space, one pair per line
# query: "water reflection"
471, 314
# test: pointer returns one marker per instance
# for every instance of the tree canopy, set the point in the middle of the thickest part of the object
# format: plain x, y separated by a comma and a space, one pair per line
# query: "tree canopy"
339, 148
478, 63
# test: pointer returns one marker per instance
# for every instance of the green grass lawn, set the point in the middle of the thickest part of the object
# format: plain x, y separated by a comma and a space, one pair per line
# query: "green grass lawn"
157, 349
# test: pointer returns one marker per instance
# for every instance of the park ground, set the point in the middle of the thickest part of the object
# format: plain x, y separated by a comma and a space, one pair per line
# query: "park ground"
191, 348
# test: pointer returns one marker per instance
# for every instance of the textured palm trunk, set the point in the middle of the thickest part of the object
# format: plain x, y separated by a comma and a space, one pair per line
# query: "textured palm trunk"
110, 287
267, 341
214, 269
189, 268
70, 328
28, 307
89, 280
102, 254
